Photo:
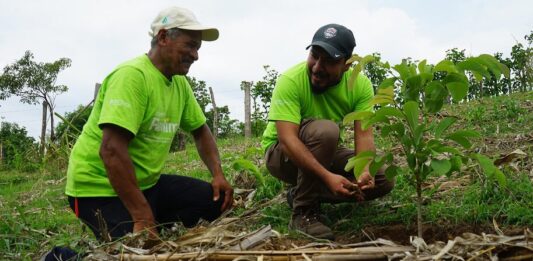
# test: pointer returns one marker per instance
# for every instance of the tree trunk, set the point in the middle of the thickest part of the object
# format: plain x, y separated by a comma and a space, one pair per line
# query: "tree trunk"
52, 131
419, 204
43, 129
215, 114
247, 110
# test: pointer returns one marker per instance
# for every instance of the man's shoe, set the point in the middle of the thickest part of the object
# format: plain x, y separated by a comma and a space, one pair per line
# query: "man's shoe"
309, 223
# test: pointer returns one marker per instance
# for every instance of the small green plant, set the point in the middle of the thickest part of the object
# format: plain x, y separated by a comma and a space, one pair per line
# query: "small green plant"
412, 120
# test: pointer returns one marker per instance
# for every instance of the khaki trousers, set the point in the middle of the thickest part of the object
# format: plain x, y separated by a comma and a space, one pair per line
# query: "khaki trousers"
321, 137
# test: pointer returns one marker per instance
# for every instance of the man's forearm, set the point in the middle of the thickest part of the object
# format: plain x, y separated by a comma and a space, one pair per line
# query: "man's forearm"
121, 174
207, 149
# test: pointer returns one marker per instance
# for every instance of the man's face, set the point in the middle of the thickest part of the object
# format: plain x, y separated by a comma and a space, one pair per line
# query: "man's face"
324, 71
181, 52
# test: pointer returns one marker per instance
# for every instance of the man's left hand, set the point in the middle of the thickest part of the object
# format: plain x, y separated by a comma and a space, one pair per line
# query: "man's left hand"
366, 181
218, 184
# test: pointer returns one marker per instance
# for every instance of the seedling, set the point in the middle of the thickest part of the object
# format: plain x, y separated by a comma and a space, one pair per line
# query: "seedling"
409, 105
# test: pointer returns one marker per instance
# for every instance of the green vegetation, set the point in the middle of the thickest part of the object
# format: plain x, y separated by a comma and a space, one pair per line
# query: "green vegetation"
34, 213
408, 102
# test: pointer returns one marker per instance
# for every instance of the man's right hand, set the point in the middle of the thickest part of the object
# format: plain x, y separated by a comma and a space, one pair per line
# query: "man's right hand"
148, 226
340, 185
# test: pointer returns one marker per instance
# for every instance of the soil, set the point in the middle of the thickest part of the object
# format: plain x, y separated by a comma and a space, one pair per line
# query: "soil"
431, 233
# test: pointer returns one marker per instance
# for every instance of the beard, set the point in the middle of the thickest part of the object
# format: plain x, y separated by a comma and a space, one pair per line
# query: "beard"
318, 90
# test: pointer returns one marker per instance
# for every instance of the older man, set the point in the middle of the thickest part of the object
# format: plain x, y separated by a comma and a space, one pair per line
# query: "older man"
302, 139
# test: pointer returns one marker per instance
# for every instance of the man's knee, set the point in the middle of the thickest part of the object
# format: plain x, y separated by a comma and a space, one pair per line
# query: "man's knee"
321, 131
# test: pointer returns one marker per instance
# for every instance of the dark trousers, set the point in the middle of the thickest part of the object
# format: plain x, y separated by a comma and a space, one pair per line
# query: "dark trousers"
321, 137
172, 199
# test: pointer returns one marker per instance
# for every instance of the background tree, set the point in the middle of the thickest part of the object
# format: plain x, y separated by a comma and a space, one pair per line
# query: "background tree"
261, 93
199, 88
18, 149
227, 127
522, 63
34, 82
72, 123
376, 71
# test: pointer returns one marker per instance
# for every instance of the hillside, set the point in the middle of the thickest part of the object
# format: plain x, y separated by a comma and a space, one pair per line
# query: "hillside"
34, 214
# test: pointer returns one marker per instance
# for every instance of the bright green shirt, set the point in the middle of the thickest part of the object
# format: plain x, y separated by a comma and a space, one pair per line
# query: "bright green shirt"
293, 100
139, 98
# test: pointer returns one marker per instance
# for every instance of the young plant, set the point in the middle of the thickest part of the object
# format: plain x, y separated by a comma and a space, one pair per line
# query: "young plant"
409, 103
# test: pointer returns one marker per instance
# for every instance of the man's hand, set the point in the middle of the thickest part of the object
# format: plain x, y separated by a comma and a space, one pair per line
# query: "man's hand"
340, 185
146, 225
366, 181
220, 183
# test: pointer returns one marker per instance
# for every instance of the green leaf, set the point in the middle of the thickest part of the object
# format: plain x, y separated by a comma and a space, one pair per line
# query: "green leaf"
403, 70
461, 137
389, 112
411, 160
356, 116
391, 172
441, 167
459, 90
411, 111
505, 70
374, 119
413, 88
419, 133
399, 129
250, 167
500, 177
462, 141
444, 124
381, 99
492, 64
474, 64
387, 91
490, 170
389, 82
447, 149
349, 164
422, 66
378, 162
435, 95
354, 58
361, 160
456, 163
445, 66
358, 68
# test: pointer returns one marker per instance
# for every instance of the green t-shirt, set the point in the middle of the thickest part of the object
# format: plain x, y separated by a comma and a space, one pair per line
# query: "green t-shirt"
293, 100
139, 98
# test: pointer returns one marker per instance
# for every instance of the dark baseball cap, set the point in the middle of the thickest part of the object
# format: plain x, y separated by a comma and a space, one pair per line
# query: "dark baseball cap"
337, 40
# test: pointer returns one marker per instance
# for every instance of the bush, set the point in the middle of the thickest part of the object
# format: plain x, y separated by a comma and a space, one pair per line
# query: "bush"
18, 150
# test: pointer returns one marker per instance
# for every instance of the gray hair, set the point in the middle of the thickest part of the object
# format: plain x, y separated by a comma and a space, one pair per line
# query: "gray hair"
172, 33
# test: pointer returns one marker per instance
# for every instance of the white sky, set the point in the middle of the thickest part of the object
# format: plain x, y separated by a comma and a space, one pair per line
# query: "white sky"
99, 34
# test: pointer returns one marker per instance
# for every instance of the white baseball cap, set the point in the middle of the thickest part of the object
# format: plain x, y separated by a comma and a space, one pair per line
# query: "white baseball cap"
178, 17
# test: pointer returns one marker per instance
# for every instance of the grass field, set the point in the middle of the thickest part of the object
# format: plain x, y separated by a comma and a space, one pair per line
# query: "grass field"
34, 214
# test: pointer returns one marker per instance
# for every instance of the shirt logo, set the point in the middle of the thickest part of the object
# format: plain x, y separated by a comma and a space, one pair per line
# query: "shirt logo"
330, 32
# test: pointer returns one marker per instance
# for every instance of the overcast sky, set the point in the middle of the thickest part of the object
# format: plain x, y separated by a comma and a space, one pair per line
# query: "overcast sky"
98, 35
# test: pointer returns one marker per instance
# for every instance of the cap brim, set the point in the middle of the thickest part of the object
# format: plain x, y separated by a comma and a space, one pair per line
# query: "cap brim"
332, 51
208, 33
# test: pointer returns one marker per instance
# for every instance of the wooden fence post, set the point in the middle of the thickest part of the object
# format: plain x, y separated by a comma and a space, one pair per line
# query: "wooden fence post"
96, 89
247, 110
215, 114
43, 129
